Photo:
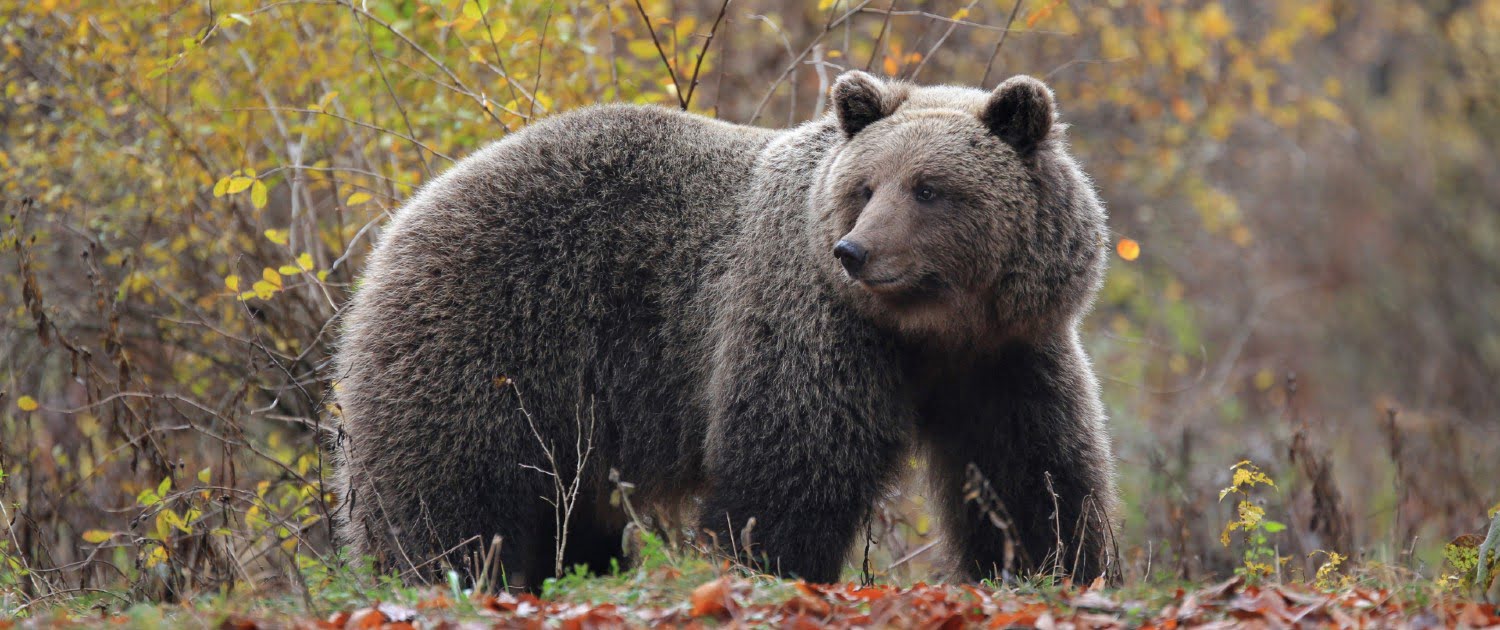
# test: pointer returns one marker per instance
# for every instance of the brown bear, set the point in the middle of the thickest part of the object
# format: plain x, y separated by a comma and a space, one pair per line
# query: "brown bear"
745, 323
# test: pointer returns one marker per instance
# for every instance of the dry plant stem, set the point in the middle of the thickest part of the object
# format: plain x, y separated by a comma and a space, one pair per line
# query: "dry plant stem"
1015, 8
541, 47
977, 488
1057, 554
390, 90
952, 26
702, 52
914, 554
1482, 572
827, 28
459, 86
357, 123
565, 492
665, 62
885, 25
416, 568
499, 67
865, 578
1393, 442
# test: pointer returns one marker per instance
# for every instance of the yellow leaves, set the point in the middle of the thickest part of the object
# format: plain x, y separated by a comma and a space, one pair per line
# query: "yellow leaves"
1326, 109
230, 19
1213, 23
240, 181
1249, 517
26, 403
357, 198
1328, 577
1250, 514
1116, 43
1128, 249
323, 102
97, 536
258, 194
1333, 87
1264, 379
1218, 210
157, 555
473, 10
268, 285
303, 263
271, 280
232, 185
1246, 476
642, 49
278, 237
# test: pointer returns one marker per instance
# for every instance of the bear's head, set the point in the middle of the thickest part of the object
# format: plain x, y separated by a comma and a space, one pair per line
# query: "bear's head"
956, 214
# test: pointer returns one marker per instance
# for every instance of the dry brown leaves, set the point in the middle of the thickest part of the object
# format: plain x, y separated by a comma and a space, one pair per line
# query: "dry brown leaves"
728, 600
731, 601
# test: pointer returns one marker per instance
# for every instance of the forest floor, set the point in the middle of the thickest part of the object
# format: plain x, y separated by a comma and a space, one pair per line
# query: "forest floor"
697, 593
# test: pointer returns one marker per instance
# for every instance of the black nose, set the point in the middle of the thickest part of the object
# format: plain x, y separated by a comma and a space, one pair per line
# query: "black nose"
851, 255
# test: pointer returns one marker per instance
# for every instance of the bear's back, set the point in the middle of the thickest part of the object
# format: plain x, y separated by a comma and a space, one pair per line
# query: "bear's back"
562, 258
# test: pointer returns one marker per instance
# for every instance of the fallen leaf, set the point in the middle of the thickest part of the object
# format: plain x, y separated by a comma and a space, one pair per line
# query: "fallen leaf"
808, 604
711, 598
365, 619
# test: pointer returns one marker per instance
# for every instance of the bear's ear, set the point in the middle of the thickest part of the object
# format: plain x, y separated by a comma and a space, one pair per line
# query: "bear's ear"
1019, 112
859, 100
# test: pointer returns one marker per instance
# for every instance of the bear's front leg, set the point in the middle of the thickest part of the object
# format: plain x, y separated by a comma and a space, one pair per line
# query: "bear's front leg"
1021, 465
807, 429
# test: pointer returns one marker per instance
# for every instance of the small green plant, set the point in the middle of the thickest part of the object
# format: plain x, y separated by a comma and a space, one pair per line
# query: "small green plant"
1260, 558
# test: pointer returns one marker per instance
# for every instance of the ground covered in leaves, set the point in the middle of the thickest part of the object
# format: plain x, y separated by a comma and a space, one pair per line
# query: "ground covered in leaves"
735, 601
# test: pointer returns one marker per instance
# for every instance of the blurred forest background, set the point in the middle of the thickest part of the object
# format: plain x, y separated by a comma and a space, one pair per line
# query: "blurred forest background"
1303, 195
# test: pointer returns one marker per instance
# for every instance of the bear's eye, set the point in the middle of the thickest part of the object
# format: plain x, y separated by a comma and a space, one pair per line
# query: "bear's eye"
924, 193
866, 191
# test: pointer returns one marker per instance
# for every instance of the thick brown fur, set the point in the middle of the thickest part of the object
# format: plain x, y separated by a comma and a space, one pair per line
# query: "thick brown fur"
668, 281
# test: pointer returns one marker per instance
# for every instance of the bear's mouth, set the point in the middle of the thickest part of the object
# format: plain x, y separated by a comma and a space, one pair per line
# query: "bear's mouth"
878, 283
910, 285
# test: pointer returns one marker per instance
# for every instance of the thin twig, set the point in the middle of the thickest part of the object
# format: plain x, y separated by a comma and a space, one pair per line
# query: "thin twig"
985, 80
796, 61
346, 119
880, 37
952, 26
676, 89
702, 52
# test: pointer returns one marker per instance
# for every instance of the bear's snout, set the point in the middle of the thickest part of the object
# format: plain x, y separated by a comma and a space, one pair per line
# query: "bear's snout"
851, 255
